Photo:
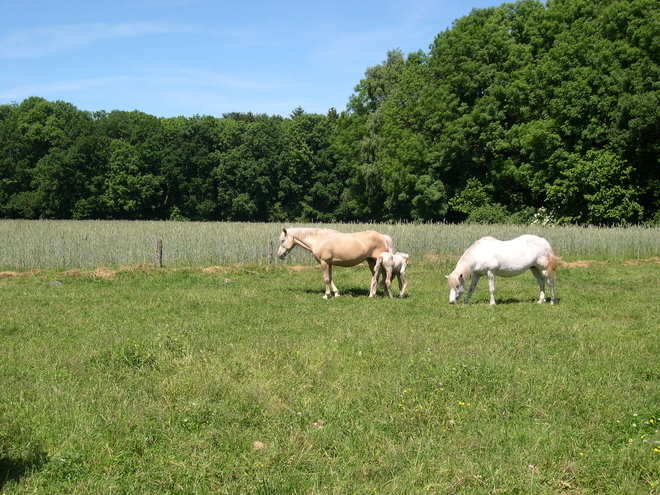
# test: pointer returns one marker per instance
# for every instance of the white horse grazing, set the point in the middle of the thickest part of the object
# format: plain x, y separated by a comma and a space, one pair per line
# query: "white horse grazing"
491, 257
330, 247
389, 264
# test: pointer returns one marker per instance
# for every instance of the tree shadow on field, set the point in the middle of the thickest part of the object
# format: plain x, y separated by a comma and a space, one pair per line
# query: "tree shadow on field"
13, 469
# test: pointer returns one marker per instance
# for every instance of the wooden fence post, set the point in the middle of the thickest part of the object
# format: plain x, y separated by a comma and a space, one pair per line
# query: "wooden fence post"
159, 253
270, 252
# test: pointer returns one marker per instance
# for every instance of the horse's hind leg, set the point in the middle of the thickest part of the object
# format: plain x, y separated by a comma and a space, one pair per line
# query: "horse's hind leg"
551, 284
402, 290
374, 284
374, 266
388, 283
541, 280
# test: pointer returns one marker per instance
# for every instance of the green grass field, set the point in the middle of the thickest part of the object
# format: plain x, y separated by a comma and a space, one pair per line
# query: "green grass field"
244, 380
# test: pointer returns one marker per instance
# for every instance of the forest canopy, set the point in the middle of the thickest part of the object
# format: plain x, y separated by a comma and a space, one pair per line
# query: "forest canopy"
526, 112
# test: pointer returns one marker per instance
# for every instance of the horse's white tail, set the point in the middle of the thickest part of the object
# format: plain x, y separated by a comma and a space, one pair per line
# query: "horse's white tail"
553, 261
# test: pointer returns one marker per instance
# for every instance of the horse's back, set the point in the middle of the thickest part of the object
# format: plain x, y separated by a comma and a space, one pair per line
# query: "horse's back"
512, 257
347, 249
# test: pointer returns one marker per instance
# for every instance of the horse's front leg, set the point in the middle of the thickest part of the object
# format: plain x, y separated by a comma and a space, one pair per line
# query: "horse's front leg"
491, 287
332, 284
473, 284
327, 278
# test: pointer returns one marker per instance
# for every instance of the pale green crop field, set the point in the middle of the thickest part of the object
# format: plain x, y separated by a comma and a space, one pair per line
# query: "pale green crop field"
58, 244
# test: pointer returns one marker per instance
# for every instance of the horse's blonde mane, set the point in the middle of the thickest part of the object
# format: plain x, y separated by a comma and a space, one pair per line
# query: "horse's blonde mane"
306, 232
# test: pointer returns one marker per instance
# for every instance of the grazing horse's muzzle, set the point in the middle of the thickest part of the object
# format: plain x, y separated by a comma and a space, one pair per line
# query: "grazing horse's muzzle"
281, 253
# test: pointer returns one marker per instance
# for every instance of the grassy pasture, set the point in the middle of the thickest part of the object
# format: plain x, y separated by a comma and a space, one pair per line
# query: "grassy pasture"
241, 379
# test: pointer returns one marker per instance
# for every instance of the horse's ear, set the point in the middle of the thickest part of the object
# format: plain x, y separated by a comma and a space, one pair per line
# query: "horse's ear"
284, 230
460, 276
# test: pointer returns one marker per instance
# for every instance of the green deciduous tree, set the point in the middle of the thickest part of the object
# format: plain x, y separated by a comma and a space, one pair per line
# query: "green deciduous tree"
595, 190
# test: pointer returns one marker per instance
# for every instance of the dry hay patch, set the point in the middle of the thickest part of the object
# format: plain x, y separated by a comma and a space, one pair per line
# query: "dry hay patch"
72, 273
104, 273
581, 263
654, 259
20, 274
10, 274
214, 270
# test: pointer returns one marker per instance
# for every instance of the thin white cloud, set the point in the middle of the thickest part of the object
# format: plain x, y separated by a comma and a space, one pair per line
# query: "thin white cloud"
155, 78
38, 42
58, 87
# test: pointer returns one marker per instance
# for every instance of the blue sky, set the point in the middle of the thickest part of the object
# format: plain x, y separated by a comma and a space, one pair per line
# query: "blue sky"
208, 57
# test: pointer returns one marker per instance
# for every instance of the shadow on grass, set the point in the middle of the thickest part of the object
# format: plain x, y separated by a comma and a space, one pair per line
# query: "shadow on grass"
346, 292
13, 469
509, 300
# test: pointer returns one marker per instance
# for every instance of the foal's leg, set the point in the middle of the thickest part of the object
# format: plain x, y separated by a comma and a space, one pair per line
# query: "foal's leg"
473, 284
388, 282
491, 287
402, 290
541, 280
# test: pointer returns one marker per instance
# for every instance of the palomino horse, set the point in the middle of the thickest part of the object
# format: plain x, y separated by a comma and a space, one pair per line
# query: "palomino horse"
491, 257
330, 247
389, 264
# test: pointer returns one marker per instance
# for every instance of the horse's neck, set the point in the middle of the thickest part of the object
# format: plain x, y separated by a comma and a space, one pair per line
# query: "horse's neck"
305, 237
465, 265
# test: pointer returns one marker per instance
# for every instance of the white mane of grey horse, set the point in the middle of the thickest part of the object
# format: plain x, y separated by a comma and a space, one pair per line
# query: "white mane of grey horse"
492, 257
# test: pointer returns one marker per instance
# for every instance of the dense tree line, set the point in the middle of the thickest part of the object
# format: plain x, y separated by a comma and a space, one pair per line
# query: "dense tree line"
522, 112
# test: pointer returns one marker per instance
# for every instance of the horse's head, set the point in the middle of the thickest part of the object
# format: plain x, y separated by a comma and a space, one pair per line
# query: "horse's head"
456, 285
286, 244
